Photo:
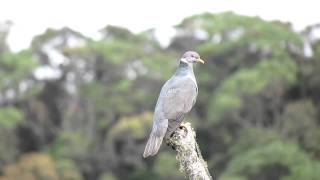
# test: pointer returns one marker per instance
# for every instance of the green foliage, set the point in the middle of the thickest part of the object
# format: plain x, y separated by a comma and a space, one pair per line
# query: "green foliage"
258, 149
8, 146
14, 68
135, 125
10, 117
250, 29
144, 175
302, 115
249, 82
166, 164
32, 166
51, 34
253, 161
115, 52
245, 56
108, 176
39, 166
120, 45
317, 52
71, 144
253, 138
94, 91
160, 65
113, 93
67, 169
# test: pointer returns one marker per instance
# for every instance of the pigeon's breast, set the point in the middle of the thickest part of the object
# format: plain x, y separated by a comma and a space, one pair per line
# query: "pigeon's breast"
176, 96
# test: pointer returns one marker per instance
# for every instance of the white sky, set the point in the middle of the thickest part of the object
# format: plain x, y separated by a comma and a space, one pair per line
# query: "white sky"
31, 17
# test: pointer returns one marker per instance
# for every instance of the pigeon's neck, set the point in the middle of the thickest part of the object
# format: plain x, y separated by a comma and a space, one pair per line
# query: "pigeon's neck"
184, 69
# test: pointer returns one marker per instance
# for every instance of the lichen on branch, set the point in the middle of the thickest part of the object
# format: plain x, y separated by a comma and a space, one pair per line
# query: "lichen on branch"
188, 153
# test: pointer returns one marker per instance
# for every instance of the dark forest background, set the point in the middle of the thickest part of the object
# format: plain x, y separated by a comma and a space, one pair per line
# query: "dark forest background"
76, 108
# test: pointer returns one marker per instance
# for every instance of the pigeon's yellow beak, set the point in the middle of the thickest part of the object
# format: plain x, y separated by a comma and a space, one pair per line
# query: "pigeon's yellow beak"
200, 60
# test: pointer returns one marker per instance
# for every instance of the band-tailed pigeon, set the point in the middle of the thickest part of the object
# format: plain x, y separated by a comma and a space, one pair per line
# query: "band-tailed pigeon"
176, 99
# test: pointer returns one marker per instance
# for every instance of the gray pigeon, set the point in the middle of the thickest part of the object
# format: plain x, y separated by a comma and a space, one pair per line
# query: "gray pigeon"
176, 99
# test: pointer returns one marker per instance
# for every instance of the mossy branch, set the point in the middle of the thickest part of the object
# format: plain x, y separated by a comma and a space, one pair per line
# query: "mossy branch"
189, 155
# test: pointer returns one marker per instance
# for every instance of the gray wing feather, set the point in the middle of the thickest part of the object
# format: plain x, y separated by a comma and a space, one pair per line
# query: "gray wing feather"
179, 99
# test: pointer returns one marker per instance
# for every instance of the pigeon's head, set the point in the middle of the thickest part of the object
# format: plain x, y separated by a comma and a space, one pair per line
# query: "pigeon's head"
190, 57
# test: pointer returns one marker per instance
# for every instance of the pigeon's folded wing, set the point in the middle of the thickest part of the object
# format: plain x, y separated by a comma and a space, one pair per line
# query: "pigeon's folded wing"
179, 99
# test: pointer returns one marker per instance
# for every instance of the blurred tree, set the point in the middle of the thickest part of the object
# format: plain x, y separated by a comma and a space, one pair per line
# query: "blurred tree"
16, 78
252, 68
10, 118
37, 166
32, 167
166, 166
4, 31
274, 160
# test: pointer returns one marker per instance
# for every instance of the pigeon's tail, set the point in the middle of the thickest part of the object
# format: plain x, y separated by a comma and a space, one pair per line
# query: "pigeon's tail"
153, 145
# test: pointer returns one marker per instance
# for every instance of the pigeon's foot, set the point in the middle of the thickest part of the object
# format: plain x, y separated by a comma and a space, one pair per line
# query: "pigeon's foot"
182, 130
168, 139
170, 144
172, 135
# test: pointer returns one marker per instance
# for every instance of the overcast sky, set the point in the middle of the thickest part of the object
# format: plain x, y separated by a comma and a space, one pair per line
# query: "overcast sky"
31, 17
